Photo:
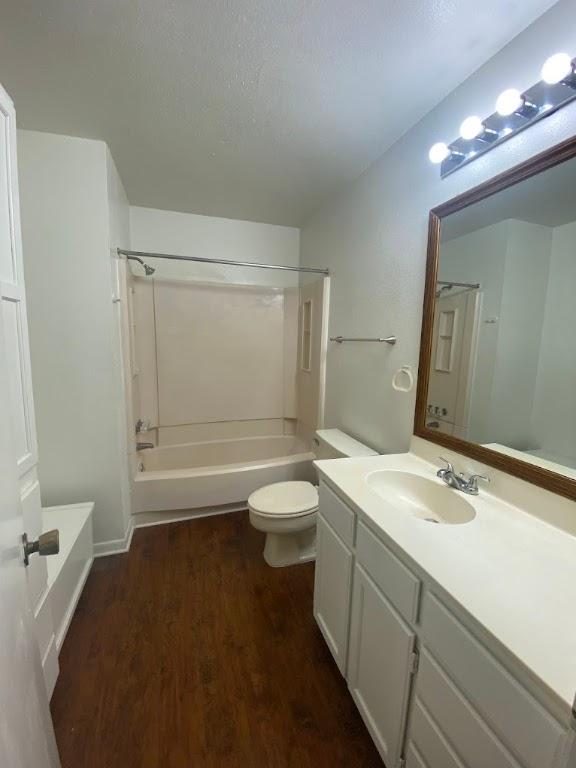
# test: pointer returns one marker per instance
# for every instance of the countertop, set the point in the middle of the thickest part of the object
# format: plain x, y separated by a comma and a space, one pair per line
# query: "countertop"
513, 573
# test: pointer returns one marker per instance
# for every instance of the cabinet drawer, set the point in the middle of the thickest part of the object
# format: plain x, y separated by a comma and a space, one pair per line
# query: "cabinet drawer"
455, 723
513, 713
338, 514
397, 582
428, 742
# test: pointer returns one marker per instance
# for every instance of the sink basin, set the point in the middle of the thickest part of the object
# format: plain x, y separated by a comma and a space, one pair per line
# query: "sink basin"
421, 497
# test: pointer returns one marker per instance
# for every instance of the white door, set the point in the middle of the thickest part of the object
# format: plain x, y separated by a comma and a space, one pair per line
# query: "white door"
26, 733
451, 365
332, 586
380, 666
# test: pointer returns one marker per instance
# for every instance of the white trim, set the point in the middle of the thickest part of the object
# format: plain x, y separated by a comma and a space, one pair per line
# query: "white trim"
323, 351
306, 365
161, 518
63, 629
115, 546
51, 667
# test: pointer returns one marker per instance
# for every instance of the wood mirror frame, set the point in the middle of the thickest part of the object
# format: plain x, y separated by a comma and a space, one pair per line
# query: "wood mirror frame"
545, 478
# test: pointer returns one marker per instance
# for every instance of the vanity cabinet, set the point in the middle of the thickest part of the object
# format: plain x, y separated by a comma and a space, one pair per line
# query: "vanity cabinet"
431, 693
380, 665
332, 585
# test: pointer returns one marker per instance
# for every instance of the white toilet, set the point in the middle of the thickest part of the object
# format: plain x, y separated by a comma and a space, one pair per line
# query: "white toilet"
286, 512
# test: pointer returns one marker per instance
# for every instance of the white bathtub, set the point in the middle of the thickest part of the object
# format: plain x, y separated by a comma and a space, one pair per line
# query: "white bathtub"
202, 476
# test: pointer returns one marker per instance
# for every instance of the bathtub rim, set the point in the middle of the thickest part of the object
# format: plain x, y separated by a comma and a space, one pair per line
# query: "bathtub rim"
149, 475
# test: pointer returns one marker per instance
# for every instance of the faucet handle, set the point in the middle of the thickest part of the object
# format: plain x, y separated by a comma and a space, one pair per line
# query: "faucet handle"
472, 481
445, 470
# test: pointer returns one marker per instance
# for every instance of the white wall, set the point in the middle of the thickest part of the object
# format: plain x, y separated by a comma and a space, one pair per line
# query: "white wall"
510, 260
519, 335
187, 234
554, 424
118, 234
480, 257
73, 210
373, 234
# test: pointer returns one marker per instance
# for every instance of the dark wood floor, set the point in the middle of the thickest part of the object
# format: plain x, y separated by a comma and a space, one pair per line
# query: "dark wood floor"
190, 652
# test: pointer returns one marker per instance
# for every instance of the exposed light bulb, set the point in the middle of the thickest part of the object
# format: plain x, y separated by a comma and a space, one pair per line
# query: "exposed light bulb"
509, 101
556, 68
438, 153
471, 127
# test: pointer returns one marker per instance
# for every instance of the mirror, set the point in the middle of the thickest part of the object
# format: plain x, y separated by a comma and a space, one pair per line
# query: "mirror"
498, 361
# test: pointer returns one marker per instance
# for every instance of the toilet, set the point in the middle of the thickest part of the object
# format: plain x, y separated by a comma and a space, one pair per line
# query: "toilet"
286, 512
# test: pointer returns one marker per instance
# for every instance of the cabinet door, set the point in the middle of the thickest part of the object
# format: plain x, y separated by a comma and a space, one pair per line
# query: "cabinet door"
380, 665
332, 587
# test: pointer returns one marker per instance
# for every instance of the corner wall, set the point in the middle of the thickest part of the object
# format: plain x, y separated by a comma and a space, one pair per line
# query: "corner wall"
373, 235
73, 211
187, 234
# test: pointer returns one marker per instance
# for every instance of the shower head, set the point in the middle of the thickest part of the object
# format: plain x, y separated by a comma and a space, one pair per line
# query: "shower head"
147, 269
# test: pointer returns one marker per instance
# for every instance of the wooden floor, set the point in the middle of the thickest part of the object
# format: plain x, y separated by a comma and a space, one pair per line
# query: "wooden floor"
190, 652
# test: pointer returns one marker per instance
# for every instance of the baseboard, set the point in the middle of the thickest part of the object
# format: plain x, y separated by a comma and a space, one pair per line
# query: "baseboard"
147, 519
63, 628
116, 546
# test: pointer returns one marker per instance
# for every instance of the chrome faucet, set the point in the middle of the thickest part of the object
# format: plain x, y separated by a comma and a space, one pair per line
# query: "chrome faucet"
143, 446
460, 482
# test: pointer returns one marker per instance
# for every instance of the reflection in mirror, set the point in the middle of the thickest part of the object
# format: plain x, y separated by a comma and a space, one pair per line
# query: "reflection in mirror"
503, 362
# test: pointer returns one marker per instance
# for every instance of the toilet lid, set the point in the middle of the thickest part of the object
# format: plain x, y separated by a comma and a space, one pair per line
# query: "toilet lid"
291, 498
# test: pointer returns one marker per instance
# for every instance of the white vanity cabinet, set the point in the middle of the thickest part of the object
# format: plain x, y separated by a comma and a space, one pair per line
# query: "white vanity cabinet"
332, 584
431, 693
380, 665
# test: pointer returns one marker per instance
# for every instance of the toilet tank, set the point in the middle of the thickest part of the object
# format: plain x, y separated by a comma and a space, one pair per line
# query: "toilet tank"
334, 444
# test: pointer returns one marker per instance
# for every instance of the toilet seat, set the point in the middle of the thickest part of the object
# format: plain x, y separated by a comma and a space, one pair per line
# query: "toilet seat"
285, 500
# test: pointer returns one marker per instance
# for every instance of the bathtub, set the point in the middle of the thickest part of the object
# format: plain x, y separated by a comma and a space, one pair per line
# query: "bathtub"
218, 473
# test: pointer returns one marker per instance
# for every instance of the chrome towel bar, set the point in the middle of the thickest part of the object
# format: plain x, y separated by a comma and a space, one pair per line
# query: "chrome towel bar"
387, 340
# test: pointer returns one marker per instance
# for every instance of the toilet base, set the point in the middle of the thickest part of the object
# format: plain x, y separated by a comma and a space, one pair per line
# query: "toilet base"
282, 549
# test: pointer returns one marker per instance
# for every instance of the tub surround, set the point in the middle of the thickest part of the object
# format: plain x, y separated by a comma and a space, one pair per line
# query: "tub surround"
498, 567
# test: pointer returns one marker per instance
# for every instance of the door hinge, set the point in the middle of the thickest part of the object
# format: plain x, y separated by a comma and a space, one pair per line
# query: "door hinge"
414, 661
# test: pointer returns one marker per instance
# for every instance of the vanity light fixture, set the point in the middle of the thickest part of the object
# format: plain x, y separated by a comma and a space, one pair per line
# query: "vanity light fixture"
438, 152
515, 111
471, 128
512, 102
559, 69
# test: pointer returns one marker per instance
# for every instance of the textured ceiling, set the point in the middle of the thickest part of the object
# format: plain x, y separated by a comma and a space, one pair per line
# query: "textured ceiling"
251, 109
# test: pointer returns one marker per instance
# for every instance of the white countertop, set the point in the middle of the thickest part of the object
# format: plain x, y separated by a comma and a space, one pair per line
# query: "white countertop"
513, 573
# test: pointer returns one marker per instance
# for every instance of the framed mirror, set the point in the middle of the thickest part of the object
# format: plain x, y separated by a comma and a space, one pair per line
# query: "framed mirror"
497, 376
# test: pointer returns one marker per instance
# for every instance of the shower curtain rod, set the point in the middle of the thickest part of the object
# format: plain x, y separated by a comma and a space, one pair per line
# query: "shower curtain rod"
457, 285
146, 255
